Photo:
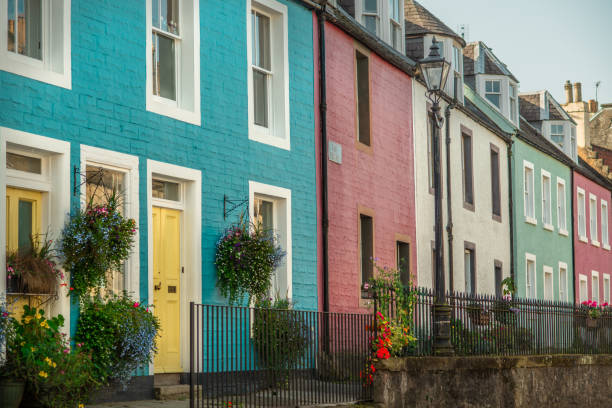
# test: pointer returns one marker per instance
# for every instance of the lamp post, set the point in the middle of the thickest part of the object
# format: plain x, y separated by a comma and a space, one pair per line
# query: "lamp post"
434, 69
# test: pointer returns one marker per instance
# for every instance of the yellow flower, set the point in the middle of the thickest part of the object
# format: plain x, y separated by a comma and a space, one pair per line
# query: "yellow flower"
54, 365
23, 343
48, 361
27, 319
43, 374
81, 406
38, 315
44, 324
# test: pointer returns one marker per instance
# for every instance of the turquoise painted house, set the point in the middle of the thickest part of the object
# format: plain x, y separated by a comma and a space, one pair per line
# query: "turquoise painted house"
188, 116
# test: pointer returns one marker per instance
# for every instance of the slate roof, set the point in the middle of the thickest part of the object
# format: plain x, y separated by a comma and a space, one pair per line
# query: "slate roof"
419, 21
531, 136
529, 106
487, 61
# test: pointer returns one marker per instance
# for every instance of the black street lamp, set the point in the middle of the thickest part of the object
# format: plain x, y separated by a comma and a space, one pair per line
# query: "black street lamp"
434, 69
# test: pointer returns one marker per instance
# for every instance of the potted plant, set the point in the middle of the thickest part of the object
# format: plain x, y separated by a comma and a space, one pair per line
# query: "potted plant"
592, 313
33, 269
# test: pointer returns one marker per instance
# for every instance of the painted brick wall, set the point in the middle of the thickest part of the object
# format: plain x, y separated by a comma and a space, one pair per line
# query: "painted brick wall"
587, 256
382, 180
106, 108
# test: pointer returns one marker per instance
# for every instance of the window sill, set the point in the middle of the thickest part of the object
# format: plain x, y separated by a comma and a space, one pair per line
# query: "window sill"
530, 220
583, 239
258, 134
549, 227
606, 247
18, 65
364, 147
157, 105
563, 232
469, 207
595, 243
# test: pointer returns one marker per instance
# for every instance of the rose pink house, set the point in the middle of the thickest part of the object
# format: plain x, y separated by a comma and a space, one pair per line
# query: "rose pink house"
370, 167
592, 254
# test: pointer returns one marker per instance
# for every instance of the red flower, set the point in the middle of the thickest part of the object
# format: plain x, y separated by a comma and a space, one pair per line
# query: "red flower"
383, 353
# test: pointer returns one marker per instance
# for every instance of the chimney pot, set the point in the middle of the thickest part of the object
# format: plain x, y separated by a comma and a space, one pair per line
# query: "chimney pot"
593, 106
569, 98
577, 92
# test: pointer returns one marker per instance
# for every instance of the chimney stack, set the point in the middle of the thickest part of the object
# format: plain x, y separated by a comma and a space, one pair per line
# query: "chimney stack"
593, 106
568, 92
577, 92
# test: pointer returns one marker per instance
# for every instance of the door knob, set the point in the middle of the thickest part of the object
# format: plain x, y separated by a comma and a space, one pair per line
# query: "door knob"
158, 286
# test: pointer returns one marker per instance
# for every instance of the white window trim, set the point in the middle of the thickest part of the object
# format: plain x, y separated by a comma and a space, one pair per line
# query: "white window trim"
33, 69
256, 188
129, 165
604, 210
562, 231
528, 219
546, 174
581, 192
56, 203
278, 135
606, 278
594, 241
531, 257
191, 233
595, 274
583, 296
160, 105
548, 270
384, 19
563, 265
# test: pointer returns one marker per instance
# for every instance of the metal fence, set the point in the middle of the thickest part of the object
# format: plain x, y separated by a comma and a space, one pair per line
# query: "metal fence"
244, 357
488, 325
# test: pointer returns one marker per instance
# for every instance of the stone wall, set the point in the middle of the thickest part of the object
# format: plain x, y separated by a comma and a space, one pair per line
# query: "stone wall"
525, 381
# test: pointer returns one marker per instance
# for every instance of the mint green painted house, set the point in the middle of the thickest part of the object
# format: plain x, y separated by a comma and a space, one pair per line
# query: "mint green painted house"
542, 185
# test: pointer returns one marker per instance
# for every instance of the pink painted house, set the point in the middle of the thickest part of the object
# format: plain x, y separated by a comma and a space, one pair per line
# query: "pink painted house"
592, 254
369, 164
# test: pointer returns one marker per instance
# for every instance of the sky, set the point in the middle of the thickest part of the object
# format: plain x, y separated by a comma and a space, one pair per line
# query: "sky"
543, 42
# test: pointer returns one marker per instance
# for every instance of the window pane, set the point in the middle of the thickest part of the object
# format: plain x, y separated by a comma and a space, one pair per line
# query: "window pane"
467, 170
169, 16
468, 259
164, 75
370, 6
263, 215
495, 187
24, 224
261, 41
12, 27
403, 262
493, 98
155, 14
16, 161
260, 96
371, 23
363, 98
367, 248
498, 280
166, 190
101, 183
25, 27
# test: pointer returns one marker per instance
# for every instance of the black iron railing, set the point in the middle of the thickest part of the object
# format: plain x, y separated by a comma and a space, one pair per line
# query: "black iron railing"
244, 356
488, 325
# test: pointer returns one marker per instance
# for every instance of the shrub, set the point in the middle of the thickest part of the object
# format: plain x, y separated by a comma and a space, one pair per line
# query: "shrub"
5, 322
120, 334
245, 260
95, 241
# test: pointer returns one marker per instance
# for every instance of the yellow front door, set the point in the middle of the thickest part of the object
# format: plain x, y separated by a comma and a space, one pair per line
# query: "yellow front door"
166, 281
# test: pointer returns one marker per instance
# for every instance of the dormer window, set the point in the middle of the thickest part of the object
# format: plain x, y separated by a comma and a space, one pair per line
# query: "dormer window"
458, 74
395, 23
573, 142
493, 92
513, 104
370, 15
557, 134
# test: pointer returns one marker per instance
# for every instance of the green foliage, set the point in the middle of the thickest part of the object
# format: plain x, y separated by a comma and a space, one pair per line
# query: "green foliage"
246, 258
95, 241
280, 336
508, 287
490, 340
34, 268
119, 333
39, 354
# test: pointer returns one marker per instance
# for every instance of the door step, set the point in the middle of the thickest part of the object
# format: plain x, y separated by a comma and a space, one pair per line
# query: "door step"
167, 379
171, 392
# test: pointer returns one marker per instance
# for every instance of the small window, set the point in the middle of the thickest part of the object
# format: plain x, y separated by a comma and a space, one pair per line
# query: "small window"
363, 97
493, 92
563, 282
595, 286
606, 288
495, 183
468, 176
583, 289
581, 215
166, 40
513, 104
548, 283
25, 27
561, 213
20, 162
528, 191
262, 68
557, 134
366, 243
498, 279
531, 277
263, 214
403, 261
396, 18
370, 15
593, 218
166, 190
573, 142
605, 239
469, 261
546, 201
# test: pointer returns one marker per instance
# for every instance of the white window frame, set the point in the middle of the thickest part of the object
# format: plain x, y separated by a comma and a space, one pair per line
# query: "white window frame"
583, 294
563, 296
500, 93
190, 203
593, 227
562, 211
529, 211
282, 200
573, 148
54, 183
55, 67
595, 287
128, 165
186, 108
278, 133
531, 257
548, 271
581, 198
360, 12
562, 134
606, 285
513, 102
547, 223
398, 24
605, 226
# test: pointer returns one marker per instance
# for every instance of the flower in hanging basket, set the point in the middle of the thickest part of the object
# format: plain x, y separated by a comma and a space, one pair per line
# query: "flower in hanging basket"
33, 268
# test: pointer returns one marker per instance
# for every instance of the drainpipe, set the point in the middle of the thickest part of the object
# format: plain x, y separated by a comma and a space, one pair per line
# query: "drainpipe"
449, 210
574, 274
510, 157
324, 182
